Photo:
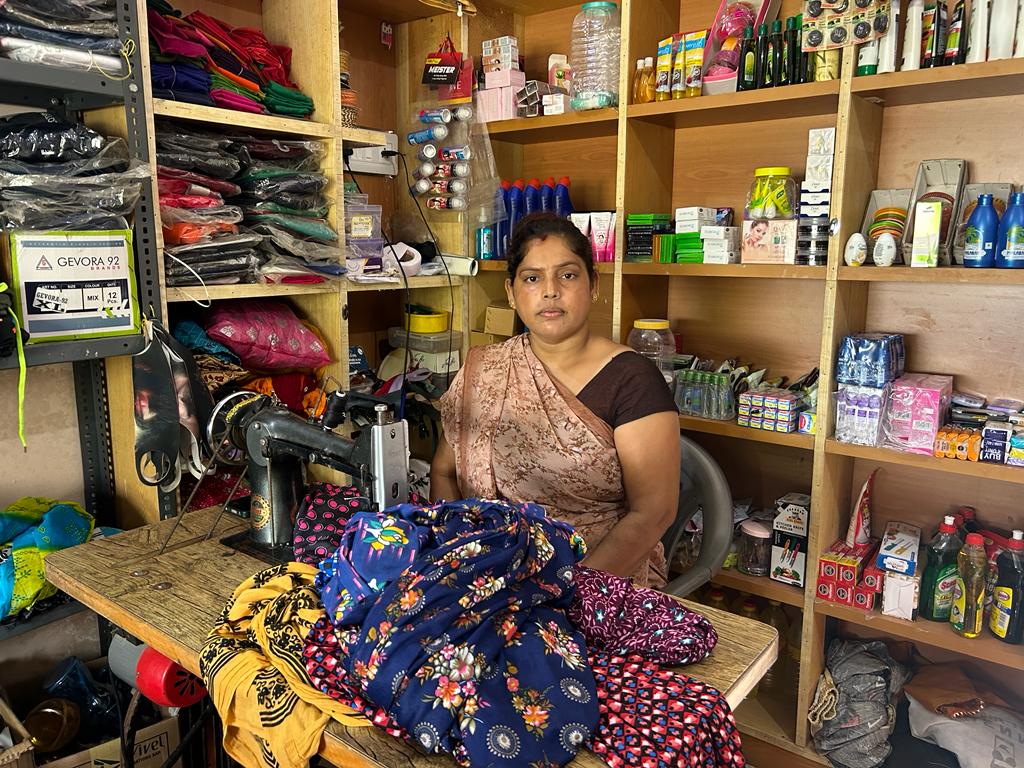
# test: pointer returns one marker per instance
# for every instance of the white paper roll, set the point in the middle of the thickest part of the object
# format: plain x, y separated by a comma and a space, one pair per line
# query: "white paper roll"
401, 257
461, 265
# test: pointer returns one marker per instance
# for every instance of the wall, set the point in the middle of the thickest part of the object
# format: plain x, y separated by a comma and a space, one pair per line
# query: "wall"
52, 466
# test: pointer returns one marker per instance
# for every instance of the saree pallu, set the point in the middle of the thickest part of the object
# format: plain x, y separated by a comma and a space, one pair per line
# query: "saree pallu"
519, 434
469, 652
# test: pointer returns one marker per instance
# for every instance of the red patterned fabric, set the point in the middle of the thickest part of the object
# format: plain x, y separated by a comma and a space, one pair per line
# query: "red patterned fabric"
655, 718
321, 518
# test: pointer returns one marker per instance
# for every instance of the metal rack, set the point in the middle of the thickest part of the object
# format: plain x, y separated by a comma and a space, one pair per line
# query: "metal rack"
70, 91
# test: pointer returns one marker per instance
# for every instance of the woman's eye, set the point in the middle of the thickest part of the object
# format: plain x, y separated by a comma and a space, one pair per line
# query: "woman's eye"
530, 279
569, 276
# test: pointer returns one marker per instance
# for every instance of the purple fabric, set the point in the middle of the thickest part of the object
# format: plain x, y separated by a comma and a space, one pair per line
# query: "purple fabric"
321, 519
170, 39
180, 77
231, 100
621, 619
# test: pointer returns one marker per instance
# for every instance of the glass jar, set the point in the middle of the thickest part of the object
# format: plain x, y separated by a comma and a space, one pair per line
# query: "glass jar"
773, 195
654, 340
755, 551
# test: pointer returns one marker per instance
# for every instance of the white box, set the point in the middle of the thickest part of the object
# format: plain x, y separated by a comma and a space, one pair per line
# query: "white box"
498, 41
814, 211
720, 246
721, 257
821, 141
815, 198
696, 212
504, 78
899, 548
900, 595
556, 104
789, 539
712, 232
819, 171
438, 362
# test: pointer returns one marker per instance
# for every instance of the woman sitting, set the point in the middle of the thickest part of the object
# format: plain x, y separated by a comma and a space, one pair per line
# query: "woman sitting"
557, 416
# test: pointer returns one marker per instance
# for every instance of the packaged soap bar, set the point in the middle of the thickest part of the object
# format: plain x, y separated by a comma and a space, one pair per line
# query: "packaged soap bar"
916, 410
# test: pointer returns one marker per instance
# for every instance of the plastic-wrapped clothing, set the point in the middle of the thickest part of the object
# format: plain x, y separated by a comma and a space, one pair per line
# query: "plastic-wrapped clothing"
257, 207
190, 201
31, 200
31, 12
195, 151
280, 152
222, 187
286, 242
317, 229
111, 158
42, 137
108, 45
33, 52
72, 10
291, 182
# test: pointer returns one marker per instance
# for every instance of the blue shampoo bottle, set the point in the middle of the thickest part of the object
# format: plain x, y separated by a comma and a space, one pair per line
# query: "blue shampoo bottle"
531, 195
563, 205
981, 235
1010, 241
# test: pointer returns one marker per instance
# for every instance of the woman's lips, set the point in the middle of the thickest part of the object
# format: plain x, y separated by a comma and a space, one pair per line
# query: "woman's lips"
551, 313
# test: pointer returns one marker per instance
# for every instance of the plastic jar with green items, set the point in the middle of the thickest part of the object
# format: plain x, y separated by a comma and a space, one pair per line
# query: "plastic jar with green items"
773, 194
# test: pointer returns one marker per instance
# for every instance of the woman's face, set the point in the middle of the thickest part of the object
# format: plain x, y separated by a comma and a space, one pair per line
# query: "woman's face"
552, 292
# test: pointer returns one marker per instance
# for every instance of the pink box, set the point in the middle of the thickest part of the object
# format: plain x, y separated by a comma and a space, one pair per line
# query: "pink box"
915, 410
505, 78
496, 104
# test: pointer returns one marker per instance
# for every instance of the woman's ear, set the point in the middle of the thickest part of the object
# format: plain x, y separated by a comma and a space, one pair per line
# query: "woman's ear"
508, 292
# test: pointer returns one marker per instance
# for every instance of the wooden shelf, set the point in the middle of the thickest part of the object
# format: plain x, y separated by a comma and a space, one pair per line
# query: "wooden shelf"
964, 81
575, 125
961, 275
771, 271
934, 633
530, 7
761, 586
363, 137
743, 106
429, 281
244, 291
241, 120
732, 429
394, 11
999, 472
501, 265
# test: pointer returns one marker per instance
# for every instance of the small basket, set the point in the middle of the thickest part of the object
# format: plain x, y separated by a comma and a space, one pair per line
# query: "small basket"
436, 322
344, 60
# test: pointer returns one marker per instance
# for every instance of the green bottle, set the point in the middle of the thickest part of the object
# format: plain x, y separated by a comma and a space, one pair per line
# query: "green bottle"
939, 579
776, 55
746, 77
763, 67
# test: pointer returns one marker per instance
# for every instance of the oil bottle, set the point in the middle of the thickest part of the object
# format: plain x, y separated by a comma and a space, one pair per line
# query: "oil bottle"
969, 592
746, 76
1006, 619
763, 70
774, 679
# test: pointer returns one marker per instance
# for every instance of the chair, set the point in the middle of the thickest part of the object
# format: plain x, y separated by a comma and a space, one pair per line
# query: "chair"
702, 485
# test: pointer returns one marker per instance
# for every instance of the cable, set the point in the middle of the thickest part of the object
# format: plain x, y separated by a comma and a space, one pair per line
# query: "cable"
451, 287
408, 298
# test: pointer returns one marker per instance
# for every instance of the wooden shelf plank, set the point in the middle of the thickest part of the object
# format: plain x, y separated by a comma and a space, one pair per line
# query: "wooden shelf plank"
999, 472
732, 429
393, 11
530, 7
575, 125
501, 265
761, 586
428, 281
363, 137
241, 120
964, 81
743, 106
958, 275
244, 291
933, 633
771, 271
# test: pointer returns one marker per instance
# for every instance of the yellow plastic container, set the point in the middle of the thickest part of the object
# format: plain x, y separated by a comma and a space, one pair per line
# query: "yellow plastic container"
436, 322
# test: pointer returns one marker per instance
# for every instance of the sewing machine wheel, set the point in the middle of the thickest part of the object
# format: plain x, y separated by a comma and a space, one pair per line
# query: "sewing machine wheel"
232, 452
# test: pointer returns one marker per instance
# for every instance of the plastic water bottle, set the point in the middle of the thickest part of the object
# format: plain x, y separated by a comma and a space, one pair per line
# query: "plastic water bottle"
595, 56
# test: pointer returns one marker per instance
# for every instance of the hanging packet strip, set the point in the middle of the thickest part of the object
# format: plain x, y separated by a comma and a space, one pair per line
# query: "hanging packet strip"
442, 67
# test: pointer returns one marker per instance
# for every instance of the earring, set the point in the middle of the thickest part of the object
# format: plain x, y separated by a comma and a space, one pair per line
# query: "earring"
512, 304
595, 298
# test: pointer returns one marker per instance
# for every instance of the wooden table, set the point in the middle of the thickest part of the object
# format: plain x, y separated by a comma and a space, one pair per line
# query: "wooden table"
172, 600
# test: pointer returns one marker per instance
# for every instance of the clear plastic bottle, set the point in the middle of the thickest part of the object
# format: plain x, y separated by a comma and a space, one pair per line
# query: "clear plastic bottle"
638, 81
969, 592
595, 56
774, 680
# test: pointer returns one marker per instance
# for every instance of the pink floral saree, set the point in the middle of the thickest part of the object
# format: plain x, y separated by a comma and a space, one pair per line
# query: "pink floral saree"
518, 434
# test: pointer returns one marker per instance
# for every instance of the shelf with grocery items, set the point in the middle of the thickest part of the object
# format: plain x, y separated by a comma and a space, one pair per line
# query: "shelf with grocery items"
803, 100
954, 275
363, 137
764, 271
573, 125
936, 634
215, 116
761, 586
1001, 472
964, 81
732, 429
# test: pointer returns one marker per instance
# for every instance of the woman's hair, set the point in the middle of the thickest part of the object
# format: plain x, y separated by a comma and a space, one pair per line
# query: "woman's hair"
541, 226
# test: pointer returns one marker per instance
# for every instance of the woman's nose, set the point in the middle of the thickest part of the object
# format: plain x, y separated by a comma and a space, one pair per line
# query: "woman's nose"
551, 289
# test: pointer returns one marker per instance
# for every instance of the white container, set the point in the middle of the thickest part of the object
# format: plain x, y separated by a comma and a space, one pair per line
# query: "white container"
887, 45
1018, 50
654, 340
912, 36
1001, 27
977, 46
594, 56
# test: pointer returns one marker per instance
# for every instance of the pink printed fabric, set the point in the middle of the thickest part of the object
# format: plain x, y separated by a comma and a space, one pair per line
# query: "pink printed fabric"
619, 618
321, 519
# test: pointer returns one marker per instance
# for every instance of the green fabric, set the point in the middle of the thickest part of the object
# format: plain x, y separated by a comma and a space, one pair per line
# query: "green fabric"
268, 206
217, 80
35, 527
286, 101
315, 228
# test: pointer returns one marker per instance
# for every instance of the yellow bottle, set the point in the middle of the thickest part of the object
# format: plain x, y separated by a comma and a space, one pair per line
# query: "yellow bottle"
649, 81
638, 79
969, 592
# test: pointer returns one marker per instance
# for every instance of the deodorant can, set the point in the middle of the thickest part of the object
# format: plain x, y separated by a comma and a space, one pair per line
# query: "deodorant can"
463, 113
427, 152
425, 171
421, 187
450, 154
433, 133
448, 187
449, 170
441, 115
446, 203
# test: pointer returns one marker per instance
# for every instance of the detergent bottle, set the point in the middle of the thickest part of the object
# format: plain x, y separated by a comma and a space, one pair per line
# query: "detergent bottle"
516, 205
939, 579
531, 195
563, 205
1006, 619
547, 195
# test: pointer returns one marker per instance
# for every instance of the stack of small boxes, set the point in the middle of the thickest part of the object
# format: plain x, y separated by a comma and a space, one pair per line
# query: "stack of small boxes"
689, 222
502, 80
845, 575
721, 245
536, 98
773, 410
816, 198
641, 231
898, 561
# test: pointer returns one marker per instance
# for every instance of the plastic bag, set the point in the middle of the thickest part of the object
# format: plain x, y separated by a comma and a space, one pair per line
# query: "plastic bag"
281, 268
317, 229
185, 225
42, 137
293, 183
258, 207
286, 243
79, 17
195, 151
111, 158
35, 52
293, 154
190, 201
108, 45
220, 186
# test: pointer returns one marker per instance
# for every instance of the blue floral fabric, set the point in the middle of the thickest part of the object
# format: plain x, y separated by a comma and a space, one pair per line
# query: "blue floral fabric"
470, 651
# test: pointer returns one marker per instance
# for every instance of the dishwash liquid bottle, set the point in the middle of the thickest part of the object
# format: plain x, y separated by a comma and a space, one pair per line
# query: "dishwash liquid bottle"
969, 592
939, 579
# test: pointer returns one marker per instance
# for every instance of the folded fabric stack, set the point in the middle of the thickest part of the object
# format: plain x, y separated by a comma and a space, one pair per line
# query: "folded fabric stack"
243, 209
57, 174
73, 34
201, 60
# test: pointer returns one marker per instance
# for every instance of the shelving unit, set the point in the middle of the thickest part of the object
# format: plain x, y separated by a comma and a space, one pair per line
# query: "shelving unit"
761, 586
954, 275
1000, 472
732, 429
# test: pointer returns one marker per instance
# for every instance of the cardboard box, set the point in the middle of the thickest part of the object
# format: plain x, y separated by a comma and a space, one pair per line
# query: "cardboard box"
479, 339
722, 257
504, 78
808, 423
843, 565
864, 597
502, 320
898, 551
821, 141
555, 104
900, 595
769, 241
789, 539
873, 578
844, 594
927, 232
827, 590
438, 362
153, 745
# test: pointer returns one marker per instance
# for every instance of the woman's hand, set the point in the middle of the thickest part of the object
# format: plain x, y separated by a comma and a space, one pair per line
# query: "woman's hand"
444, 481
648, 450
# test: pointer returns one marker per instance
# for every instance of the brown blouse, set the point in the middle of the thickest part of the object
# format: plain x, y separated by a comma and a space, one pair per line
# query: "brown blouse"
628, 388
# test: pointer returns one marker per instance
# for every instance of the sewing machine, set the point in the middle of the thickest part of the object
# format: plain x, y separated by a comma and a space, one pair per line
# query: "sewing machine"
276, 445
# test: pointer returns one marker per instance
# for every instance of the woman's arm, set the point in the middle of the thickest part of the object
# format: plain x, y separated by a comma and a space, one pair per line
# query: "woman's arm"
648, 450
444, 481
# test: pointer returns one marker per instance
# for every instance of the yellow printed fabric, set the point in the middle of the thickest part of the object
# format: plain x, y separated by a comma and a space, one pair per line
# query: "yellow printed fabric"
253, 668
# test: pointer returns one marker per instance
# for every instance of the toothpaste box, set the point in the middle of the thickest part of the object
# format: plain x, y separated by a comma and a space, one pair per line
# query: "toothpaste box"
827, 590
873, 578
898, 550
844, 594
789, 539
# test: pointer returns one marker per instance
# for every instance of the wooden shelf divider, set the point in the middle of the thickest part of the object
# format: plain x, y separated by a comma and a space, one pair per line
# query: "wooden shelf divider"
732, 429
215, 116
763, 271
964, 81
575, 125
954, 275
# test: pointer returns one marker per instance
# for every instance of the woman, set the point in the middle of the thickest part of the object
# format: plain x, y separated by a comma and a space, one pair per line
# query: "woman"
574, 422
